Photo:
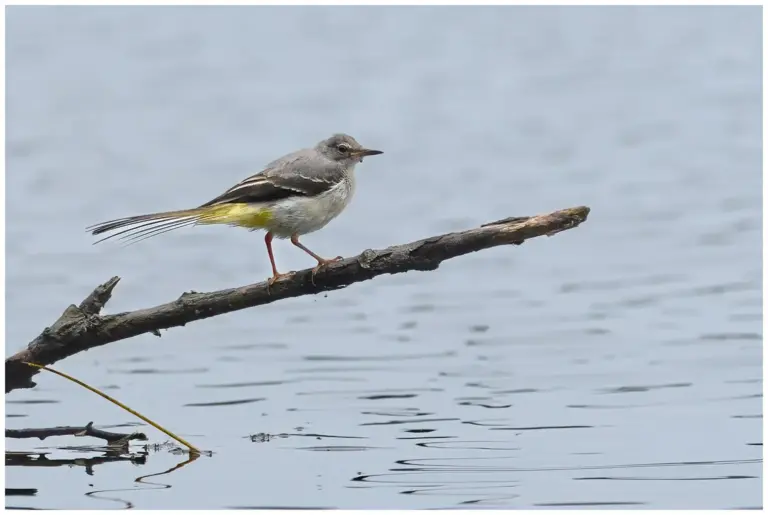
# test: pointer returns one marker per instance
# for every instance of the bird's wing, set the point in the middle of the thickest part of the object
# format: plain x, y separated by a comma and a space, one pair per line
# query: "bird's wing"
299, 174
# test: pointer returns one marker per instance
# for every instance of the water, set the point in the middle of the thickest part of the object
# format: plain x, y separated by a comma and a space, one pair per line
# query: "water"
614, 365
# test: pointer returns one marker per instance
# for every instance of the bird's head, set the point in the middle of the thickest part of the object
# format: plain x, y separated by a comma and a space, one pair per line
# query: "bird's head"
344, 148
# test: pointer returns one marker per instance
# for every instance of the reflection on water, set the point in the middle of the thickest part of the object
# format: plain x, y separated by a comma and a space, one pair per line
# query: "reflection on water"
489, 481
615, 365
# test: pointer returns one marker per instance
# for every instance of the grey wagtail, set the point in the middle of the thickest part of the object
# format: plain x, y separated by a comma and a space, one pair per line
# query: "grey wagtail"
294, 195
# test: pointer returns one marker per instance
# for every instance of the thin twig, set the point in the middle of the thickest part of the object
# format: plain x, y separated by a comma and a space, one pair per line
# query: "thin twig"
192, 448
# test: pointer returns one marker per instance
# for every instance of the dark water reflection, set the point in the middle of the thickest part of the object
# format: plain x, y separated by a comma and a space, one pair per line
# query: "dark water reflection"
618, 365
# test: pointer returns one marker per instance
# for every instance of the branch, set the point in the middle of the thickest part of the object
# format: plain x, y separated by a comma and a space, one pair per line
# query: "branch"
88, 430
81, 328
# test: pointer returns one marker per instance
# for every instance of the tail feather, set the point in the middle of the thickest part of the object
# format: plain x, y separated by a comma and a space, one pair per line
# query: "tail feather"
137, 228
145, 226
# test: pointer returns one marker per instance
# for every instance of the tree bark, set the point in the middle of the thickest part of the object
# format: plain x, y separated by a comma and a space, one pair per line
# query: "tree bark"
81, 327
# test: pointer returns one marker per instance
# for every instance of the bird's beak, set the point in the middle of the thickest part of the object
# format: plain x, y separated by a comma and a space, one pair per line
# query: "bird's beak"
367, 152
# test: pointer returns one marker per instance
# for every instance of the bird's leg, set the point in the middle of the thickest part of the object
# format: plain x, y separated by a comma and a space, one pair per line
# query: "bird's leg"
321, 262
275, 274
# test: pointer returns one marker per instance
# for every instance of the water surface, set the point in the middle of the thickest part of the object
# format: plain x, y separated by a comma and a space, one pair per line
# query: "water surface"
615, 365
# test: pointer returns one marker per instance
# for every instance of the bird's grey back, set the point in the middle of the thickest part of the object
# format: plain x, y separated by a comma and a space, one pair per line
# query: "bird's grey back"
304, 172
304, 168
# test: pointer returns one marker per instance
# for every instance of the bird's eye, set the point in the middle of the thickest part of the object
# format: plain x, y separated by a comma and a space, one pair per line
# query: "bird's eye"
343, 147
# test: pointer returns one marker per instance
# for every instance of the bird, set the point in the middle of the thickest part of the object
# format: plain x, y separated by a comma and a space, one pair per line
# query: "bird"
294, 195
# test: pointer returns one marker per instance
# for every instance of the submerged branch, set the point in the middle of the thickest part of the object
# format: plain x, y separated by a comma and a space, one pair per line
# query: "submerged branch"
81, 327
87, 430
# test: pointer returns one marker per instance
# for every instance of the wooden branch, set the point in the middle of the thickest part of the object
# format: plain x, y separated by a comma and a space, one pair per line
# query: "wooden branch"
88, 430
81, 328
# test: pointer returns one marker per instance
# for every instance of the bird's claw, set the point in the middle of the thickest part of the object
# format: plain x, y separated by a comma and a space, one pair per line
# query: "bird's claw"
272, 280
321, 264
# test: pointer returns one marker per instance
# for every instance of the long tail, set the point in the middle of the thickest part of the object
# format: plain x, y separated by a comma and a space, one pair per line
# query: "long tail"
137, 228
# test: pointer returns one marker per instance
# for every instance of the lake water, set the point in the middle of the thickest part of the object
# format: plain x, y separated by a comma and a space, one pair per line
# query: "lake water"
615, 365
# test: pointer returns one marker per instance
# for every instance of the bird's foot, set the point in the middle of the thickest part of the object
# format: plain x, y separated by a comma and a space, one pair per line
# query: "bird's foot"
276, 277
324, 262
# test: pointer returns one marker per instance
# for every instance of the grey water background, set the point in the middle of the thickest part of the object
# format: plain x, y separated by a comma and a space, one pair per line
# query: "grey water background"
614, 365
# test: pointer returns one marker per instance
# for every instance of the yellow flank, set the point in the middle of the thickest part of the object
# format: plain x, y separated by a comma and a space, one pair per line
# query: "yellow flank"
241, 215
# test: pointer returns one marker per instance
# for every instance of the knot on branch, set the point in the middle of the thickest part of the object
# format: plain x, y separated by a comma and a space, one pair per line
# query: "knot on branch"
366, 257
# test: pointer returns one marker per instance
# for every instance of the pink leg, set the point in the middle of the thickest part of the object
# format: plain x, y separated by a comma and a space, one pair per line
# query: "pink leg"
321, 262
275, 274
